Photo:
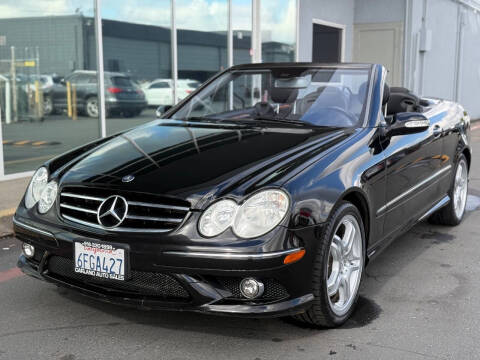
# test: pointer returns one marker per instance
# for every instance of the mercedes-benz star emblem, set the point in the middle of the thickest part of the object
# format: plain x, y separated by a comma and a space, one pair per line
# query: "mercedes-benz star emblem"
112, 211
128, 178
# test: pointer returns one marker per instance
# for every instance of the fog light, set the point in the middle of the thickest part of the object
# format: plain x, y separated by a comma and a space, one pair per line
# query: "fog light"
28, 250
251, 288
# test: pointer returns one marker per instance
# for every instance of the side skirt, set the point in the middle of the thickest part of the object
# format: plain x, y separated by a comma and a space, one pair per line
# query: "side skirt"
443, 202
384, 244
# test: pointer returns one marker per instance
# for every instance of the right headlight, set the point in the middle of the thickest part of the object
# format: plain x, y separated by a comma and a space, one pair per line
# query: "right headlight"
36, 187
258, 215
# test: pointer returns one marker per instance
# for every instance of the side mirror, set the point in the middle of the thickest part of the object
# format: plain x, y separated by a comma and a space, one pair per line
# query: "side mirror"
407, 123
162, 109
62, 81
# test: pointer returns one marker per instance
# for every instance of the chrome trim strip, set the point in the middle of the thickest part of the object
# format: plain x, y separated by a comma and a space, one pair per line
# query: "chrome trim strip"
231, 256
159, 206
444, 201
71, 207
152, 218
413, 188
32, 228
118, 229
81, 196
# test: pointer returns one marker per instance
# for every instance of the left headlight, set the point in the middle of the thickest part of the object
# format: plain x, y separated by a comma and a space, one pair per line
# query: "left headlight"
49, 194
260, 213
257, 216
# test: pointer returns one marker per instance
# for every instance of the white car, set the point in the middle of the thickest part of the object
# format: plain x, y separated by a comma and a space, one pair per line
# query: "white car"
159, 92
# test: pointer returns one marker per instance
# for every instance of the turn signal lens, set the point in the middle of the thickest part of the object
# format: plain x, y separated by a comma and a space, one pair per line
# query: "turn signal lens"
293, 257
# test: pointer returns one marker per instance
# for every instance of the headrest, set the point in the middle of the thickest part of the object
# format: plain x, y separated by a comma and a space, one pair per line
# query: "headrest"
398, 89
386, 94
330, 96
283, 95
362, 90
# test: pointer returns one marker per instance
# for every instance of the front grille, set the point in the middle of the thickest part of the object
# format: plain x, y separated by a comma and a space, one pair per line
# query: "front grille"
273, 290
146, 212
140, 283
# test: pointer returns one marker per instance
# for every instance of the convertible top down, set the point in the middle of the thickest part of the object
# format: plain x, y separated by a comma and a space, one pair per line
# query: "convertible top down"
265, 192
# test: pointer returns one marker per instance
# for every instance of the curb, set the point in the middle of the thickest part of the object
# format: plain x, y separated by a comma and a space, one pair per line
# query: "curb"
6, 222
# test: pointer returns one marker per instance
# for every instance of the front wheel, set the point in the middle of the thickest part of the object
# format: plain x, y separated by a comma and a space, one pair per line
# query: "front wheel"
452, 214
338, 269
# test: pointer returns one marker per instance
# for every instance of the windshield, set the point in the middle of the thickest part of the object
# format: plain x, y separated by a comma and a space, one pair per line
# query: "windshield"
316, 96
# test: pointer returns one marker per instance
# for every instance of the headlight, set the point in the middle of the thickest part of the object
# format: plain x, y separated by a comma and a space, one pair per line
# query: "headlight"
217, 218
257, 216
260, 213
49, 194
36, 187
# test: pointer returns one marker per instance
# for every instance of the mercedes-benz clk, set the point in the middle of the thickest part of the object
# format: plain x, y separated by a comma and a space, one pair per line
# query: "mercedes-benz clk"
264, 193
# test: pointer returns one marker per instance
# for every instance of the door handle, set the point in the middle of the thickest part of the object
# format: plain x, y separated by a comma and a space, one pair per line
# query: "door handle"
437, 131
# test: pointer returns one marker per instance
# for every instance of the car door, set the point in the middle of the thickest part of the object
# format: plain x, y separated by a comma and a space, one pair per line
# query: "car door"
414, 165
159, 93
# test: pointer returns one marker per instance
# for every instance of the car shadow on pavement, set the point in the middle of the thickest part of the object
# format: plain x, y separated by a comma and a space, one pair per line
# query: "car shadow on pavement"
403, 251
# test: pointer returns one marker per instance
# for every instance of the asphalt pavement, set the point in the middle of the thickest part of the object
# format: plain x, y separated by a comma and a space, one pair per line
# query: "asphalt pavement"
419, 300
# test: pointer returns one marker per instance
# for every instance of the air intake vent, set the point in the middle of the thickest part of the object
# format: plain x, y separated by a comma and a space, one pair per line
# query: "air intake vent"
146, 212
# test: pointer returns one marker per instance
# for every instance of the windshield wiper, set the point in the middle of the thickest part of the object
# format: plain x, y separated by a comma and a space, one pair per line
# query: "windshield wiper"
200, 118
282, 121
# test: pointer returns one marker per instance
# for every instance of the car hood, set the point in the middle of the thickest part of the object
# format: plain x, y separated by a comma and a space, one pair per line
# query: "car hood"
200, 160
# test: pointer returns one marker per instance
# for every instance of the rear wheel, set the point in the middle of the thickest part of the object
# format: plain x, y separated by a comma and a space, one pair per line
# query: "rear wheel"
48, 106
453, 213
91, 107
338, 269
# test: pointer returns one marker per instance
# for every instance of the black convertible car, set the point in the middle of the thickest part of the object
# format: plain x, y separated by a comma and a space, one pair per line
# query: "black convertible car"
264, 193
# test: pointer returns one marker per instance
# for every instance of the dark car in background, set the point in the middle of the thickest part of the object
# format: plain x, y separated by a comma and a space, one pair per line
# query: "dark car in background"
122, 95
266, 192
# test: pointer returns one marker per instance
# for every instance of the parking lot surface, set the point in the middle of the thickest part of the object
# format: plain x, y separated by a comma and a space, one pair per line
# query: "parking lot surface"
29, 144
419, 300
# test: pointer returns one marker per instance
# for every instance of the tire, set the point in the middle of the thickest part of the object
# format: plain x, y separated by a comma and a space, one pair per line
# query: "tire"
48, 108
452, 214
91, 107
328, 310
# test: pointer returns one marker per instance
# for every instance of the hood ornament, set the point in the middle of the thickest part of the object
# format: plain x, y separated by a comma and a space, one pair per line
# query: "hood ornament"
128, 178
112, 211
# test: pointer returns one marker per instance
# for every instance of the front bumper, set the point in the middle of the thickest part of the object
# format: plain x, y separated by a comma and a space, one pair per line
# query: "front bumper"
206, 300
202, 277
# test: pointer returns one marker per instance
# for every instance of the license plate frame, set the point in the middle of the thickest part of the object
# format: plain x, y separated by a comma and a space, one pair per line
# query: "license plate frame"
104, 249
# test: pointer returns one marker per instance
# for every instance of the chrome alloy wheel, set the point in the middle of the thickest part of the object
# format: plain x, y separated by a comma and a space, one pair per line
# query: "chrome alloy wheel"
345, 264
92, 107
460, 189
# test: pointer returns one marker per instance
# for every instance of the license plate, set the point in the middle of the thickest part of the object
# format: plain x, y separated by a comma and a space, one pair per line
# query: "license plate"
100, 260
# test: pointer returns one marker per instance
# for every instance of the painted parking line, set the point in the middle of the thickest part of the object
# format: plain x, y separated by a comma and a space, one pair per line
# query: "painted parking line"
476, 127
7, 212
30, 142
22, 142
38, 158
10, 274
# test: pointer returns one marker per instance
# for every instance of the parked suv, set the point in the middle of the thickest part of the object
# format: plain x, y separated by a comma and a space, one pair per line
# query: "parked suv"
122, 96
